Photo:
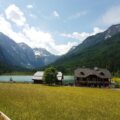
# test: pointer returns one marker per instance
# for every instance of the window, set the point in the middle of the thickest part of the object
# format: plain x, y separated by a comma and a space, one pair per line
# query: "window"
101, 73
82, 73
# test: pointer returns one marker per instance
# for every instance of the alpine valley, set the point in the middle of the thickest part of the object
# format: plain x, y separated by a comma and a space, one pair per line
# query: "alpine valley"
19, 56
100, 50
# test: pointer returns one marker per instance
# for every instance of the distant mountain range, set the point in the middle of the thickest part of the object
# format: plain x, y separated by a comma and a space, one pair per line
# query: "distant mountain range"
22, 56
44, 56
100, 50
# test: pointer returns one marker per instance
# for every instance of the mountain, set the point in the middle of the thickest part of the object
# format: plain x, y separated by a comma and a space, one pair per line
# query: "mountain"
21, 56
101, 50
29, 54
10, 52
44, 56
92, 40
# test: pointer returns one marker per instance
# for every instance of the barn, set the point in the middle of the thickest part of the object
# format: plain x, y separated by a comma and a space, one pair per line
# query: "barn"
96, 77
38, 77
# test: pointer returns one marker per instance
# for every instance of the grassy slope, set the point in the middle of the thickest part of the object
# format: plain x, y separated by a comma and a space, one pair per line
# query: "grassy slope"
36, 102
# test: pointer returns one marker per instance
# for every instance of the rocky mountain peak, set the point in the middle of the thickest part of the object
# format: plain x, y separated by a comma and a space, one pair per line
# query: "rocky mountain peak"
24, 46
114, 29
41, 52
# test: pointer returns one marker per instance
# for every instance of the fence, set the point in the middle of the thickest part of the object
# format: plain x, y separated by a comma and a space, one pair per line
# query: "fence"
3, 116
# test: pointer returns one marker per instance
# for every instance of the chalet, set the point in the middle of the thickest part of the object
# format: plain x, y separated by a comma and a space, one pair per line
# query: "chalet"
92, 77
38, 77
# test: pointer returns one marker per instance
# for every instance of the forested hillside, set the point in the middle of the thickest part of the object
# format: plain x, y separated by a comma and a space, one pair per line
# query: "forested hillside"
95, 51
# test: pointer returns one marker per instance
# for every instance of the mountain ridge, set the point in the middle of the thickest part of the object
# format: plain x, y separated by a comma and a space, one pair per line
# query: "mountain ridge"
93, 51
94, 47
20, 55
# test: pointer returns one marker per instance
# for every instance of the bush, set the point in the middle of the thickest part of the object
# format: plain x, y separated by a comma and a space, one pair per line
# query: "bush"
50, 75
117, 85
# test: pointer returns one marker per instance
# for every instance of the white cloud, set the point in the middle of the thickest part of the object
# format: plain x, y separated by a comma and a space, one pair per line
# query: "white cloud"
34, 37
111, 16
4, 25
64, 48
6, 28
56, 14
14, 14
45, 40
77, 15
29, 6
96, 30
33, 16
83, 35
76, 35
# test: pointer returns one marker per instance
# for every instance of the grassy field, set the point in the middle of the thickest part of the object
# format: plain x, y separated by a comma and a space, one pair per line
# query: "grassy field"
115, 79
117, 82
37, 102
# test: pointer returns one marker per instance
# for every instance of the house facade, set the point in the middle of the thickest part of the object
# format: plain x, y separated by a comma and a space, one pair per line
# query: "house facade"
92, 77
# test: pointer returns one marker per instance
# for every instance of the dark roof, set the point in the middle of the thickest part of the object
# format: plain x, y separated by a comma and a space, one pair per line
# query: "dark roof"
84, 72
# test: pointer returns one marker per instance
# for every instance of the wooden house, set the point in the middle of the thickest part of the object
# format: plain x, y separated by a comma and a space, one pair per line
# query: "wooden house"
92, 77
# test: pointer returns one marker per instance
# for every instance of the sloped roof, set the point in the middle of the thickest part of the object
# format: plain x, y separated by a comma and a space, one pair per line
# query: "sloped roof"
59, 76
38, 75
84, 72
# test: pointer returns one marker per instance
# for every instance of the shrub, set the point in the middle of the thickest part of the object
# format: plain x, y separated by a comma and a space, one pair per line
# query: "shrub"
50, 75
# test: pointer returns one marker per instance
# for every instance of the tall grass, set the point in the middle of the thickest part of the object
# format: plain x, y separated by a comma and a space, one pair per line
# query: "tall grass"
116, 82
38, 102
116, 79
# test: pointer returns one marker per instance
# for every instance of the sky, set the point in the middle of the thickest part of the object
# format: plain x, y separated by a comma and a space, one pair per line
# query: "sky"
56, 25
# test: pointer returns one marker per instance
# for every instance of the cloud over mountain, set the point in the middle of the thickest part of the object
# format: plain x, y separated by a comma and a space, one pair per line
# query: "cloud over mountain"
33, 36
14, 14
83, 35
111, 16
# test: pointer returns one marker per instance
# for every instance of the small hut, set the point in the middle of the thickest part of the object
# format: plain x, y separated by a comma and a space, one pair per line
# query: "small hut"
38, 77
96, 77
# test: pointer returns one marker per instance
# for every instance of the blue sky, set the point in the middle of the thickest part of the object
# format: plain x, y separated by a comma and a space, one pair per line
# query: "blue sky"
56, 25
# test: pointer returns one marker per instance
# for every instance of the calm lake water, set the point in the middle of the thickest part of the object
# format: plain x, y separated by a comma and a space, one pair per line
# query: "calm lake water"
22, 78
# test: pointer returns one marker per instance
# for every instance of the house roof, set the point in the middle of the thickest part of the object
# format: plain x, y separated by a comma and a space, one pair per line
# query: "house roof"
60, 76
84, 72
39, 75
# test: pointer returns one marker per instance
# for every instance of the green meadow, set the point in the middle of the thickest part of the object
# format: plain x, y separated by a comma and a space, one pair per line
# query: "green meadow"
39, 102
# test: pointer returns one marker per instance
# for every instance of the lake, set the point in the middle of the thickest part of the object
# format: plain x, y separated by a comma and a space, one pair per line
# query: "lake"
23, 78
